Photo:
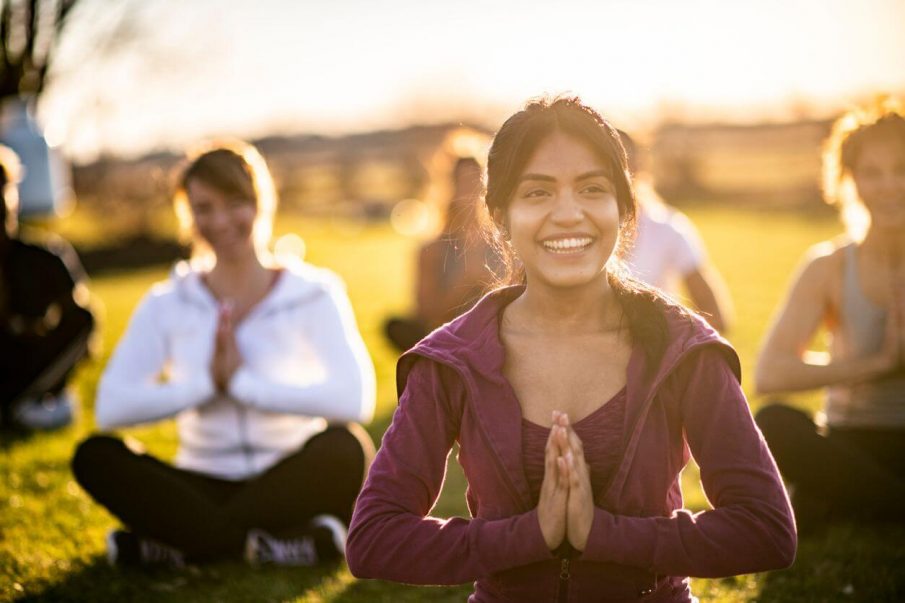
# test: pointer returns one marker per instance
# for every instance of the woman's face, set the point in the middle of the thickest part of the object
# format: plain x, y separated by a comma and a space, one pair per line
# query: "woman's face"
225, 224
563, 218
879, 175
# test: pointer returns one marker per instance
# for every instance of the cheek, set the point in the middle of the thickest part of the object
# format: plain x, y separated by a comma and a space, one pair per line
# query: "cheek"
522, 226
865, 187
608, 218
245, 217
202, 226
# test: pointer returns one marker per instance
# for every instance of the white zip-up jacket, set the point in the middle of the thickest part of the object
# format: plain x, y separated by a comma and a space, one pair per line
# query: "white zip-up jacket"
304, 364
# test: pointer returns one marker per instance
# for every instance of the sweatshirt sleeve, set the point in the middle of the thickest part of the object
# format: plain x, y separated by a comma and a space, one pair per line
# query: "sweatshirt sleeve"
392, 536
130, 391
751, 526
347, 391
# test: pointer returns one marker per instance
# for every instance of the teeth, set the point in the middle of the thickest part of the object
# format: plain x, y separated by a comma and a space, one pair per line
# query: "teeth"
567, 245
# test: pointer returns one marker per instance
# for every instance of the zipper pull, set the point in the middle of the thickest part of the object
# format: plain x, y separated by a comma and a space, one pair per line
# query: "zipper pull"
564, 570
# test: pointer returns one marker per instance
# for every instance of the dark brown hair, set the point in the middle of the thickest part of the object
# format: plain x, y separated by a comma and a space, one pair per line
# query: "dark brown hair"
512, 149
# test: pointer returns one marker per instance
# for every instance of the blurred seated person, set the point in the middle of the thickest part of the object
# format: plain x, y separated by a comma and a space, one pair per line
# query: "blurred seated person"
668, 252
453, 268
44, 329
263, 367
849, 464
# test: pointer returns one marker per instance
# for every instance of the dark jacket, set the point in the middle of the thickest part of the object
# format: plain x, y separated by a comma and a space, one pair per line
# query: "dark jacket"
642, 543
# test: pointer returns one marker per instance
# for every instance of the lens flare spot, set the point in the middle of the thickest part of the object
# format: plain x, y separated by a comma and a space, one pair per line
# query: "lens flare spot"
412, 218
290, 246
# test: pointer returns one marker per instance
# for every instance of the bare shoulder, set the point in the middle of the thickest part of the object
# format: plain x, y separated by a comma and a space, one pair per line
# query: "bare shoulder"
822, 263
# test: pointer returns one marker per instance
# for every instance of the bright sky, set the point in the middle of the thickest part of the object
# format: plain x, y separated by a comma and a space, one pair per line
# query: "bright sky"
250, 68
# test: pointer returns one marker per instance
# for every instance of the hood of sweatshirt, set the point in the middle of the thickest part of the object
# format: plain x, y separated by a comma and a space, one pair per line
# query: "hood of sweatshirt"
471, 346
298, 283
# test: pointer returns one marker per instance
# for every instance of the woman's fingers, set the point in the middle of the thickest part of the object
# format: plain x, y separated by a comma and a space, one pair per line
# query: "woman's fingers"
551, 508
575, 444
563, 473
550, 455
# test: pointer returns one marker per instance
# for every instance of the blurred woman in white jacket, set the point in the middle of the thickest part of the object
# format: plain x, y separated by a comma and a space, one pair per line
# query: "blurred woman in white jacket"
264, 369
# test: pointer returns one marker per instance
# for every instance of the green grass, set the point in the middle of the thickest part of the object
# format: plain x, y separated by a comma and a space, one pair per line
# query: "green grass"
52, 535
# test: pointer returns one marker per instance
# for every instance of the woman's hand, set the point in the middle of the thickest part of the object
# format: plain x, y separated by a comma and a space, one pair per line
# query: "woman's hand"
554, 490
580, 509
227, 359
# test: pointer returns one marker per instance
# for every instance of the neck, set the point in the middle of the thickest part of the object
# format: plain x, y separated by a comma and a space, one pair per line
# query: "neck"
229, 276
887, 243
574, 311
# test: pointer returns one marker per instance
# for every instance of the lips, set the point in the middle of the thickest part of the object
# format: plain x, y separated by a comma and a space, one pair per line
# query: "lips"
567, 245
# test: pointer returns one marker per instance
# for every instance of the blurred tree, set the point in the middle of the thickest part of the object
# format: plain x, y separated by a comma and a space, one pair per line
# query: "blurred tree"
29, 31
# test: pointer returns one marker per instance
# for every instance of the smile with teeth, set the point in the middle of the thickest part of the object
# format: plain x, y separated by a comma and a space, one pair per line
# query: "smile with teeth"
569, 245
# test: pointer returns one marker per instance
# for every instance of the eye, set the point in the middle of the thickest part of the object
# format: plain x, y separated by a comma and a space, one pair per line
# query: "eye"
535, 193
235, 203
200, 209
597, 188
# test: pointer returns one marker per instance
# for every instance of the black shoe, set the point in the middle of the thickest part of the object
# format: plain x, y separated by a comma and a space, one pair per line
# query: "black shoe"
329, 535
324, 541
128, 550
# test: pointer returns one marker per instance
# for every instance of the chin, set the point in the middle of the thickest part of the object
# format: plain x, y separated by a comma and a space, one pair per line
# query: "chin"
571, 282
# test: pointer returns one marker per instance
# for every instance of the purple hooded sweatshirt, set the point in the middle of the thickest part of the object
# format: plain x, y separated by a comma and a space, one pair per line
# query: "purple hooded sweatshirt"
642, 543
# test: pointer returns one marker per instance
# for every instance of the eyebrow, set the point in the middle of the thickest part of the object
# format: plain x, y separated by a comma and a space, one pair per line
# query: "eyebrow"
585, 176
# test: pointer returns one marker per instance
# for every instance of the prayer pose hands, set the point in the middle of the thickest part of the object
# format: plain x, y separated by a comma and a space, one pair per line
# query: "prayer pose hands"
227, 359
566, 506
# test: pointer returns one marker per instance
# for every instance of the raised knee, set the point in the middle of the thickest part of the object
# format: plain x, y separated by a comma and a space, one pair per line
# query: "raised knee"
92, 452
783, 424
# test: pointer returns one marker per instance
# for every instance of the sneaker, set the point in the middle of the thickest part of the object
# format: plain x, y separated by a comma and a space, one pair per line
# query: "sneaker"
329, 535
44, 413
128, 550
324, 541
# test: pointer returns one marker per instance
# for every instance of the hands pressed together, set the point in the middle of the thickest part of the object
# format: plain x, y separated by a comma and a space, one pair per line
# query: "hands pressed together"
565, 510
227, 359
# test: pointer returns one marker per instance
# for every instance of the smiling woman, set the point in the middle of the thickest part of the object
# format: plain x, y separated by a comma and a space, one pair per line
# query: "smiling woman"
575, 396
255, 360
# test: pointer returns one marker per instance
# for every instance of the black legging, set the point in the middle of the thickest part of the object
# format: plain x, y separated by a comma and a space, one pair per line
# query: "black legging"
848, 474
207, 518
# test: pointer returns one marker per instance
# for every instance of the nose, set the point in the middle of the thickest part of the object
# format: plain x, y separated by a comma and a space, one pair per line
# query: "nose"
219, 218
567, 209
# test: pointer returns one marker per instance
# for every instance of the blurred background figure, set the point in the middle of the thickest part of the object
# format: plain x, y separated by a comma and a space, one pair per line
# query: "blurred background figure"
453, 269
854, 287
44, 325
668, 252
264, 368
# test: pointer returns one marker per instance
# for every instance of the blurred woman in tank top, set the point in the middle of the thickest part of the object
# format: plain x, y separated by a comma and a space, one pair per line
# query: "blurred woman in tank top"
852, 467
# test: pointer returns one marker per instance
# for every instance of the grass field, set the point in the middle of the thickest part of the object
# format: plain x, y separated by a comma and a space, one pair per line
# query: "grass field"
52, 536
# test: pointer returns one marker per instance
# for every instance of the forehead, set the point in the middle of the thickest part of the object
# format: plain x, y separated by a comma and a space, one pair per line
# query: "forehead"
200, 191
562, 155
881, 149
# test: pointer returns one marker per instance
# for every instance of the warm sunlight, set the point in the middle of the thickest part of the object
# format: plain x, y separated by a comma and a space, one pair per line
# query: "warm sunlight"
277, 66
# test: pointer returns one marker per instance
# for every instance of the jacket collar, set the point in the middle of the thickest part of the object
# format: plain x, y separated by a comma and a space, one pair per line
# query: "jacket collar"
471, 345
299, 283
